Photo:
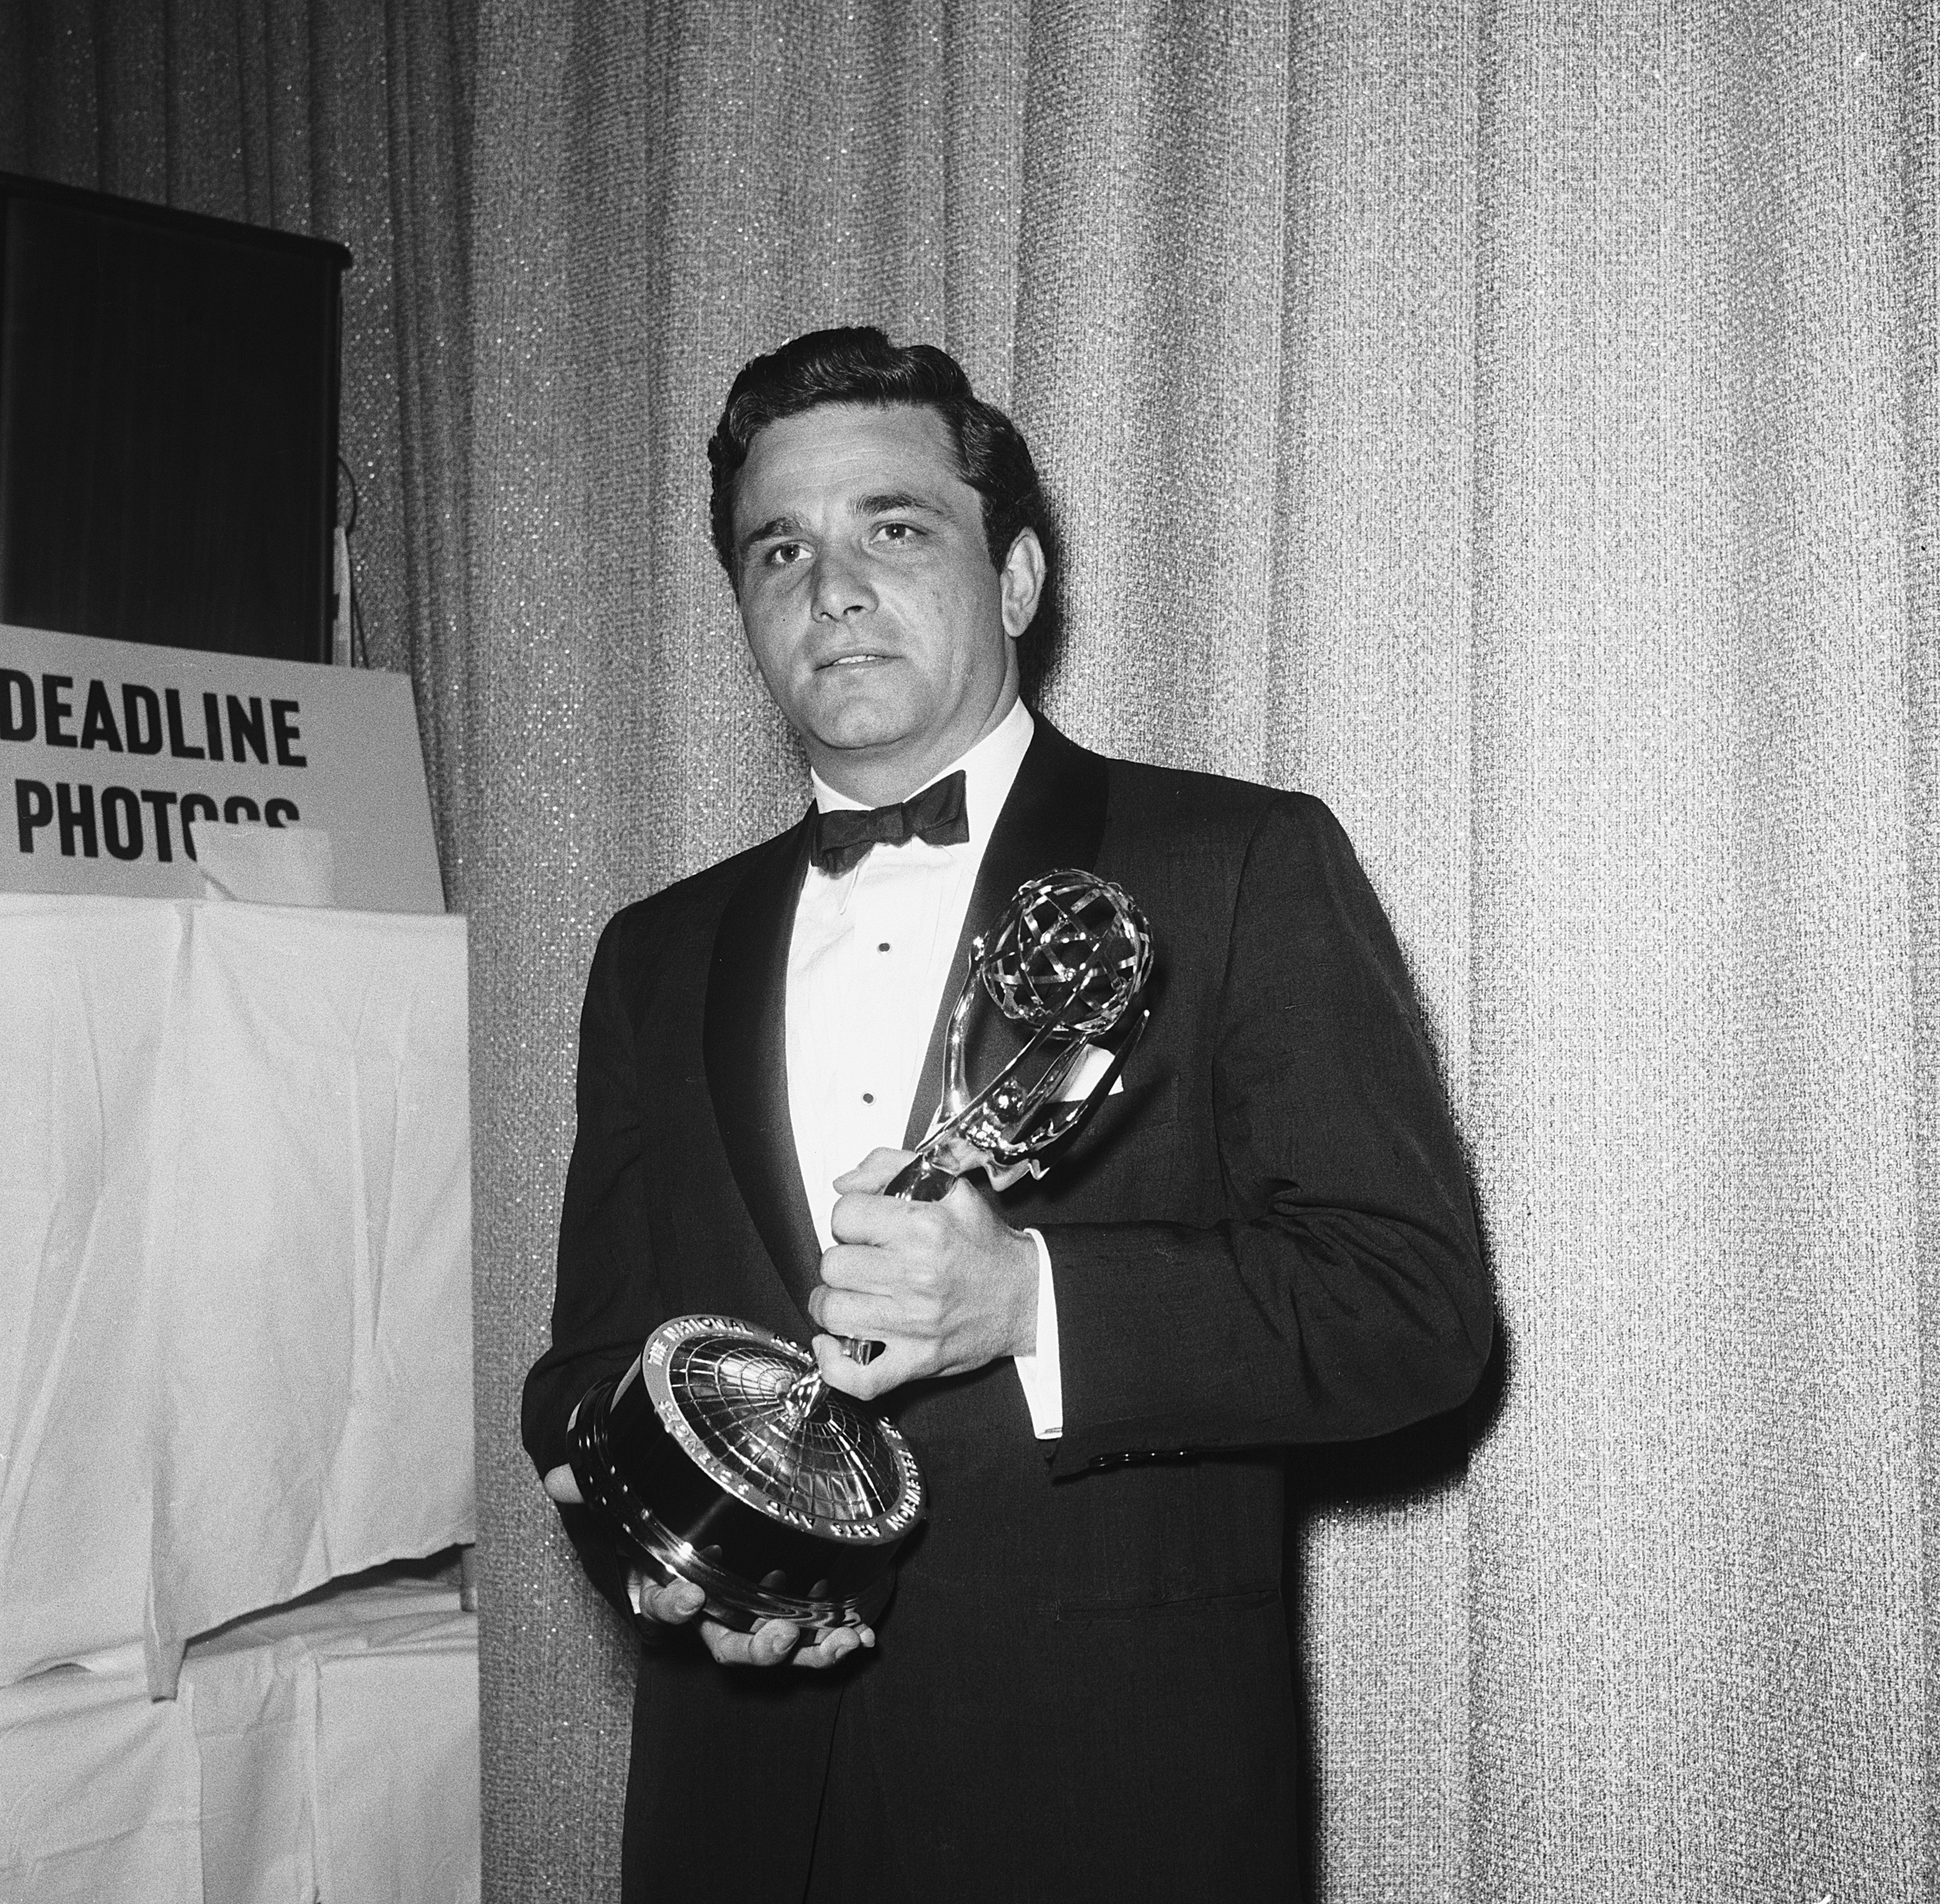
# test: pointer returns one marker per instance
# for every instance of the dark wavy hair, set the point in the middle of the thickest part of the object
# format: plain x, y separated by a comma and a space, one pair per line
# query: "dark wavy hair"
860, 365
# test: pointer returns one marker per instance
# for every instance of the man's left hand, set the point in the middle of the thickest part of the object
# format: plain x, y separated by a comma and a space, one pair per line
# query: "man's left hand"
945, 1286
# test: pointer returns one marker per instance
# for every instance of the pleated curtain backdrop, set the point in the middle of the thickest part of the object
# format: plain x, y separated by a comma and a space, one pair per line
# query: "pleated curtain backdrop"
1515, 423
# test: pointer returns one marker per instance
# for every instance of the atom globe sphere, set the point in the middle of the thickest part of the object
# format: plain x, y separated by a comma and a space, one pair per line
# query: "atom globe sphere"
1072, 950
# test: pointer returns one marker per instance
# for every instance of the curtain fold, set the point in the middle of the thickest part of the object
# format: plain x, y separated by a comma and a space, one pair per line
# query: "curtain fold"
1519, 426
1920, 289
1695, 1563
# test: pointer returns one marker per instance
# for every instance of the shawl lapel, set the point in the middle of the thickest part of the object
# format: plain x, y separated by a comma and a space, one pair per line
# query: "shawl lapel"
744, 1049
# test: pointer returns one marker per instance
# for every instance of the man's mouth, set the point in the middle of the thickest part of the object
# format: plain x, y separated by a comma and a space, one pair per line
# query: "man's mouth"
852, 661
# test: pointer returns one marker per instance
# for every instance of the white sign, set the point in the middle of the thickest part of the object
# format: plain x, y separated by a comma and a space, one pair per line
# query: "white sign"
115, 756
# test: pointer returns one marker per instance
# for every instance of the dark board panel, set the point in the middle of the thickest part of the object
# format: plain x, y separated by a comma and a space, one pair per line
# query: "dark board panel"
168, 425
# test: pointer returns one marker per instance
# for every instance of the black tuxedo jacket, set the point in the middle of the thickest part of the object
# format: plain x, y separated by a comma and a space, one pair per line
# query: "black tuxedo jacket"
1266, 1240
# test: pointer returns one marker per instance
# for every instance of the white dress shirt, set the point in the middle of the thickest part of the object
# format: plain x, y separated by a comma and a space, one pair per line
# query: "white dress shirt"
872, 956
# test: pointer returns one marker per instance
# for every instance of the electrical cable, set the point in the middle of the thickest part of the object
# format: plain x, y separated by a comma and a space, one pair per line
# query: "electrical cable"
350, 477
360, 652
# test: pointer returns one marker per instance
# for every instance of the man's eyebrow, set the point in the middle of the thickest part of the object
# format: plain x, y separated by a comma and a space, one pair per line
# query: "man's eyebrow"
881, 503
889, 502
774, 526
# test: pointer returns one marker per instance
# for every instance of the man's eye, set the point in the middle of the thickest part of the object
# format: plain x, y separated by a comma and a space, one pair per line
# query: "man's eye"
783, 555
897, 532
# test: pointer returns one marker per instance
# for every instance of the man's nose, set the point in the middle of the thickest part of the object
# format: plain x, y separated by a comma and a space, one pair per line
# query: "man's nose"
842, 587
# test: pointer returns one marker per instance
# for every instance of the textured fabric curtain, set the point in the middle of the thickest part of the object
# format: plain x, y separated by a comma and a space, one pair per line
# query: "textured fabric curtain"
1516, 424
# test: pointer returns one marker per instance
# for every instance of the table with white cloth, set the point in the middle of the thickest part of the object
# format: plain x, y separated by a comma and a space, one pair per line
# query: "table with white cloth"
235, 1366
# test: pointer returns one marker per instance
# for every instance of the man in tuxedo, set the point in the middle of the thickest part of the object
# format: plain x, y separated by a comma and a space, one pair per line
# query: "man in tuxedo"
1265, 1240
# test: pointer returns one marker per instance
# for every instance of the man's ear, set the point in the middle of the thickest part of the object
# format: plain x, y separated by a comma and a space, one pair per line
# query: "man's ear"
1022, 580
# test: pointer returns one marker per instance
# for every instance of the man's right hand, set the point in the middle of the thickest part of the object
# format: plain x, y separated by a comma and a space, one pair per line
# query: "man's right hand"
772, 1641
679, 1602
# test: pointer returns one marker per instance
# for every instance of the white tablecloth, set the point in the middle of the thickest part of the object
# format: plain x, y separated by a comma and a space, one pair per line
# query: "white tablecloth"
326, 1750
100, 1791
234, 1263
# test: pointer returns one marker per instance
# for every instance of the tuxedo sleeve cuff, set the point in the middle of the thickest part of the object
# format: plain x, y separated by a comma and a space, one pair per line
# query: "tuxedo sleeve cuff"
1041, 1374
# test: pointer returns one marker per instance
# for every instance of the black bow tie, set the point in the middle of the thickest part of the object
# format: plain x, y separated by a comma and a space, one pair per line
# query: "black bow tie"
843, 836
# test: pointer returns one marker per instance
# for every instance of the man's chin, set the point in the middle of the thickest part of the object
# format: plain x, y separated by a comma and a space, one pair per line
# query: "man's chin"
869, 762
861, 723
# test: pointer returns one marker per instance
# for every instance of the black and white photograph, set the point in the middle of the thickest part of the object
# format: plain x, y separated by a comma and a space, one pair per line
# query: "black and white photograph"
969, 954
